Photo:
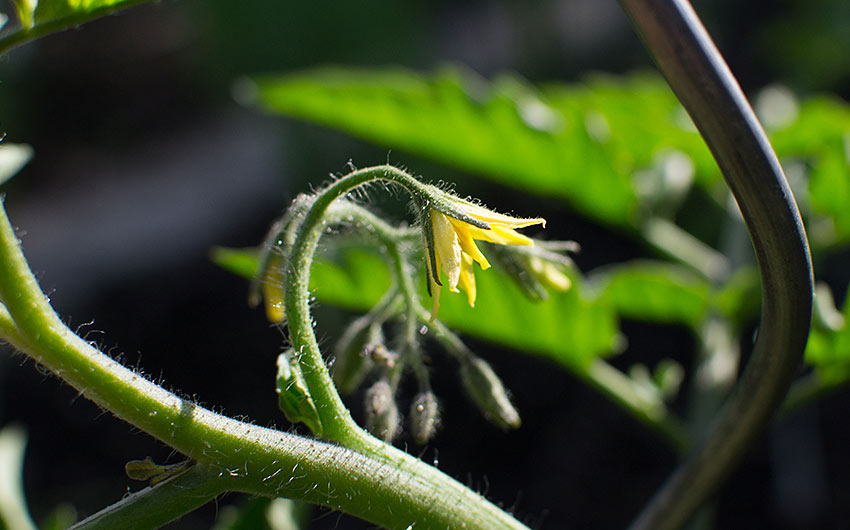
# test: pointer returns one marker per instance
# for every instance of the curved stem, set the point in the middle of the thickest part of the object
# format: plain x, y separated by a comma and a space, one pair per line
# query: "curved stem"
382, 484
337, 424
703, 83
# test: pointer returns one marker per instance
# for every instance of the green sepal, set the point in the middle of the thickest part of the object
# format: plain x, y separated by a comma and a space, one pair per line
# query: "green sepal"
293, 397
423, 214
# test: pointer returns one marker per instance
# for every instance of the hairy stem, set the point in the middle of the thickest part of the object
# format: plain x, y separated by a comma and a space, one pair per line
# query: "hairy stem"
380, 484
155, 506
337, 424
703, 83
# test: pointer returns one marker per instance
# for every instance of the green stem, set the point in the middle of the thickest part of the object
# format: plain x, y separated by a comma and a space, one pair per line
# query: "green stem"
810, 388
684, 52
158, 505
405, 280
682, 246
337, 424
381, 484
621, 390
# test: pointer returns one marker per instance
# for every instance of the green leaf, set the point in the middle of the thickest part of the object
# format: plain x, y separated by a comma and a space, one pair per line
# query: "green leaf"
42, 17
582, 143
739, 298
828, 348
26, 12
654, 291
820, 138
571, 327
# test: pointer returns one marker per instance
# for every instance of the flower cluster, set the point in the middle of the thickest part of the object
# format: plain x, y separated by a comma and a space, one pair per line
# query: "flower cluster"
452, 249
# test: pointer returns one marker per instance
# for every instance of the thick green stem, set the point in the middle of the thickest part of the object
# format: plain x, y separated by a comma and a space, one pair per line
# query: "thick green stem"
155, 506
703, 83
380, 484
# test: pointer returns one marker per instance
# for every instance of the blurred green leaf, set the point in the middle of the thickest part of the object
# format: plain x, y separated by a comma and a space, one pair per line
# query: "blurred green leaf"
248, 515
26, 11
569, 327
258, 513
51, 10
828, 348
654, 292
820, 137
739, 298
60, 518
582, 143
42, 17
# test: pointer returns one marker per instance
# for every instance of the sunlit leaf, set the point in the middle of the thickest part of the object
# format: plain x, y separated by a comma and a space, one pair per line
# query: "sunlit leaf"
820, 138
828, 348
582, 142
654, 292
42, 17
569, 327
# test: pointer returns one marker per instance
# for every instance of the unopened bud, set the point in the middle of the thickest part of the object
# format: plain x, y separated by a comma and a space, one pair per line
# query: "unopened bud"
516, 267
381, 411
273, 291
351, 364
549, 274
424, 416
487, 391
293, 397
381, 356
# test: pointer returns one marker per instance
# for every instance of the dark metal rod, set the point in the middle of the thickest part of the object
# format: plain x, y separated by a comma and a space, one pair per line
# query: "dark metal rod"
685, 54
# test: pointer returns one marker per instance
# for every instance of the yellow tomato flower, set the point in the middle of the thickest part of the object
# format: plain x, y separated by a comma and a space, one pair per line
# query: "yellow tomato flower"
455, 250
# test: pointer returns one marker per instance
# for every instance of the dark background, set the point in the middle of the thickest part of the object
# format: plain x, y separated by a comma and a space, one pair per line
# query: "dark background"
144, 162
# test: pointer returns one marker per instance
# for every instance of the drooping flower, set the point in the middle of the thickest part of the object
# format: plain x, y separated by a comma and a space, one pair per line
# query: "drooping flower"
452, 245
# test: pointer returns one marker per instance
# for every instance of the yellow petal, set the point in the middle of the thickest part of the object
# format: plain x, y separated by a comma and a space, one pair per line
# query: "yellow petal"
447, 248
467, 243
489, 216
467, 280
499, 234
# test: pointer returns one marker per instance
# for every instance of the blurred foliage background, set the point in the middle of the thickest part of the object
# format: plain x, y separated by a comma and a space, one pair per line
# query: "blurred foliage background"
145, 160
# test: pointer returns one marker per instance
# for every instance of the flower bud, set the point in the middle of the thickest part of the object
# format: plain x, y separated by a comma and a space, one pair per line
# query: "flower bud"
273, 290
382, 416
424, 416
293, 397
487, 391
351, 364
